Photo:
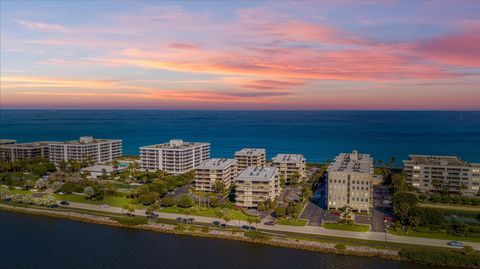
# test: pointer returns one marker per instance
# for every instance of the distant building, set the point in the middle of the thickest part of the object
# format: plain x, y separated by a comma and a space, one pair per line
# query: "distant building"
86, 149
290, 165
31, 150
7, 142
435, 173
96, 171
256, 184
250, 157
175, 157
213, 170
350, 179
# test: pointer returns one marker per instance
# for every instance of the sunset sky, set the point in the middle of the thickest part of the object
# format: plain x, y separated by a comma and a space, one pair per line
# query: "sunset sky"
407, 55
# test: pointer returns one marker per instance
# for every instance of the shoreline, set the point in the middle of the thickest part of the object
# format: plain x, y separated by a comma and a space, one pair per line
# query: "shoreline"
275, 241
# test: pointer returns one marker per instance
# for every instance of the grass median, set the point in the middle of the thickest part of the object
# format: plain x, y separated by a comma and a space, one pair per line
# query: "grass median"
347, 227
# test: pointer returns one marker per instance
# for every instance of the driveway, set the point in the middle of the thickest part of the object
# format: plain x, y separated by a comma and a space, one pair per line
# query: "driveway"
313, 213
379, 193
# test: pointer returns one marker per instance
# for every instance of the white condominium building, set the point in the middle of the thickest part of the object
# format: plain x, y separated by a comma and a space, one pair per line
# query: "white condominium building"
10, 152
350, 179
436, 173
290, 165
175, 157
213, 170
7, 142
250, 157
86, 149
257, 184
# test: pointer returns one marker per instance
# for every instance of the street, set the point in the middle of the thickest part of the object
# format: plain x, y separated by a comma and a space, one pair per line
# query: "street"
315, 230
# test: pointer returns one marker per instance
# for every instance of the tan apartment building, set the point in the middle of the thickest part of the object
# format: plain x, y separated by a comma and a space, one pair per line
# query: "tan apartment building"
213, 170
290, 165
350, 179
11, 152
250, 157
175, 157
7, 142
86, 149
256, 184
436, 173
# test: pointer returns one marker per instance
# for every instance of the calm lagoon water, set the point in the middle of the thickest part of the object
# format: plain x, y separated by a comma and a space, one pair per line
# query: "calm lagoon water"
29, 241
319, 135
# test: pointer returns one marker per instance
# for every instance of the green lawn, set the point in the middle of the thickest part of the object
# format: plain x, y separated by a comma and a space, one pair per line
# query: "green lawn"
434, 235
17, 191
292, 222
347, 227
114, 201
207, 212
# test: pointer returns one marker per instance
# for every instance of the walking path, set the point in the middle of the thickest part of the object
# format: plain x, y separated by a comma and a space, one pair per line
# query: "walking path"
315, 230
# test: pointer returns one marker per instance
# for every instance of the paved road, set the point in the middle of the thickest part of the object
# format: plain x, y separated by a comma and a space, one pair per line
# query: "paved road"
377, 236
313, 213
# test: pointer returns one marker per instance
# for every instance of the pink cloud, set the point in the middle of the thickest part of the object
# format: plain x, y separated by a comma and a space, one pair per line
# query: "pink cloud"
46, 27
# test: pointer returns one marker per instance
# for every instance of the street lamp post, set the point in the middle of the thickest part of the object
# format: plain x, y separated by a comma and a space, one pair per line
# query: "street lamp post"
386, 231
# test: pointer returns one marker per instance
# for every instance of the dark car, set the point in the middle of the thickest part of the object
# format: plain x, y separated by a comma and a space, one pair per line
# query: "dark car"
216, 223
223, 225
64, 203
245, 227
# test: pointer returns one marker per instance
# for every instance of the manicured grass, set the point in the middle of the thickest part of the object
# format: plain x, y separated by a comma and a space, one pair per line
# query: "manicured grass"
292, 222
434, 235
346, 227
207, 212
451, 207
17, 191
115, 201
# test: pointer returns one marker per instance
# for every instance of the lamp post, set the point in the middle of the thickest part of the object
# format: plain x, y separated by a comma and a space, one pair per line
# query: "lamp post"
386, 231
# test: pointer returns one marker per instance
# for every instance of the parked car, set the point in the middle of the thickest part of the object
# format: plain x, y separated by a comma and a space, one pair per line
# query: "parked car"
216, 223
388, 218
245, 227
270, 223
64, 203
223, 225
455, 244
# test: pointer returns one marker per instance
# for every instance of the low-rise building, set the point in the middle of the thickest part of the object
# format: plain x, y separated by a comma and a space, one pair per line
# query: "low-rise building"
215, 170
86, 149
175, 157
256, 184
96, 171
438, 173
250, 157
290, 166
21, 151
350, 179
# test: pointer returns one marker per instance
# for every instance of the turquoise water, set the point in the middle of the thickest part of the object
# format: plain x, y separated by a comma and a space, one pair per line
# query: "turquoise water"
319, 135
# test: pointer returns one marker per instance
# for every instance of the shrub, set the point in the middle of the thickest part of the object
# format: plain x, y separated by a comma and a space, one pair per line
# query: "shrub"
446, 199
340, 247
475, 201
466, 200
131, 221
280, 211
185, 201
168, 201
440, 257
436, 198
423, 197
148, 198
456, 199
257, 235
214, 201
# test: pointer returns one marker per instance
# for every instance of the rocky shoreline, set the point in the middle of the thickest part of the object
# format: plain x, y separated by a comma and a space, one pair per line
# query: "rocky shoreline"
227, 235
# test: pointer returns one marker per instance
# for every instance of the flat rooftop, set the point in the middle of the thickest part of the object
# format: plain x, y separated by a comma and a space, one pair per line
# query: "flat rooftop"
7, 141
99, 168
217, 164
176, 144
352, 162
288, 158
437, 160
251, 151
29, 144
257, 173
87, 140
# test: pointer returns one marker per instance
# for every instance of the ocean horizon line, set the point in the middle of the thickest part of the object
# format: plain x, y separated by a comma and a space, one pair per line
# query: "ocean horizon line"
242, 110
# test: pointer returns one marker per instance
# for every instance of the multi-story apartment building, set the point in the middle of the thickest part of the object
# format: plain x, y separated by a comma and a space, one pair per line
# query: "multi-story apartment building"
175, 157
250, 157
86, 149
256, 184
432, 173
350, 179
7, 142
213, 170
21, 151
290, 165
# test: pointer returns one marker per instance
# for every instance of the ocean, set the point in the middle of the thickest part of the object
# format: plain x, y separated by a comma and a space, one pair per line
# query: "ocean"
319, 135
